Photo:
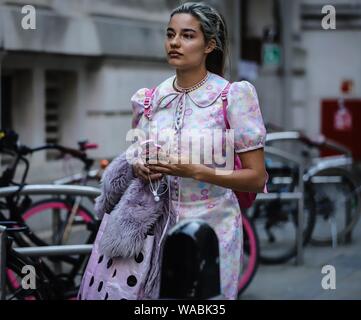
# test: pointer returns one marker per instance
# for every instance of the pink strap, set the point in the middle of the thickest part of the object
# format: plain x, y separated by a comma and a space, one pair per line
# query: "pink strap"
238, 163
224, 94
148, 102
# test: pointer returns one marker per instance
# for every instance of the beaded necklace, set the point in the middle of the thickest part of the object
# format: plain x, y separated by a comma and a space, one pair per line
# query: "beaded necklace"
192, 88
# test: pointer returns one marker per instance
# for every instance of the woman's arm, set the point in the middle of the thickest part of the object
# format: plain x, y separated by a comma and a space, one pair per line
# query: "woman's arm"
251, 178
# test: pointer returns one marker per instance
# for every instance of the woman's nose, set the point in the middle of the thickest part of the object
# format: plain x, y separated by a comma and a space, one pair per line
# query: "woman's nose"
174, 42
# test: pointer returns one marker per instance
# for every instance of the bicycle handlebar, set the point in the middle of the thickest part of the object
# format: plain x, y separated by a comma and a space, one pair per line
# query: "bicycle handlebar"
9, 144
79, 154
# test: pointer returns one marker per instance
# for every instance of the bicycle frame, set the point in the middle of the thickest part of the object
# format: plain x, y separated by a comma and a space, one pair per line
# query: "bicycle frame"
50, 250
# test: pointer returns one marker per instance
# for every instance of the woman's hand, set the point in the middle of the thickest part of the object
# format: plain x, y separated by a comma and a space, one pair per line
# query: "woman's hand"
172, 168
141, 171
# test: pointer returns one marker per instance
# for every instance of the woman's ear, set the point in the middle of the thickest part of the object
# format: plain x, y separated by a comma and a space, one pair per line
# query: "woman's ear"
210, 46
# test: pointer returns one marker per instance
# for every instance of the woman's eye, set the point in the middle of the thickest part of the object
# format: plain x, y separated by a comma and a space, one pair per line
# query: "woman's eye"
188, 36
169, 35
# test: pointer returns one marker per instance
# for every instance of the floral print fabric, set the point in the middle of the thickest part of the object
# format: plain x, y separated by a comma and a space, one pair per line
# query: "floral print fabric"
201, 112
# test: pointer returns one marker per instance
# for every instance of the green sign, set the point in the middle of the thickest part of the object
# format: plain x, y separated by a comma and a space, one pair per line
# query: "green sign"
271, 54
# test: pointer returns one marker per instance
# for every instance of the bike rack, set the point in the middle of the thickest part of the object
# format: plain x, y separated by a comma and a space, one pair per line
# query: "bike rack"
296, 135
299, 196
49, 250
50, 189
79, 249
83, 249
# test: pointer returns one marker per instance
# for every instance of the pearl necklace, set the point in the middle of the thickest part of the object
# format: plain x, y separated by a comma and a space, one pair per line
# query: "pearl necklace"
192, 88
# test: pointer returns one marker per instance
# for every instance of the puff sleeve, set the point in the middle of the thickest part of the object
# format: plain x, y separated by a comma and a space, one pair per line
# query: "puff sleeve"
137, 102
244, 116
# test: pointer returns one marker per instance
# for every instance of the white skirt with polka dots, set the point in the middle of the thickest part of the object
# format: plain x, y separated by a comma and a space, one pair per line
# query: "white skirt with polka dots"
115, 278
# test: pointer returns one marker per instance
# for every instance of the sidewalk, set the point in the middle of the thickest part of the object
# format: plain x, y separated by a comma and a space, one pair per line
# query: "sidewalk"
289, 281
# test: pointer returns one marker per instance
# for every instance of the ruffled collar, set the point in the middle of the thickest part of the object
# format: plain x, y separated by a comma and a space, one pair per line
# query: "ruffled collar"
203, 97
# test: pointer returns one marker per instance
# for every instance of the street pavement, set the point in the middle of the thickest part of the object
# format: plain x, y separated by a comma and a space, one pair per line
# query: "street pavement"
304, 282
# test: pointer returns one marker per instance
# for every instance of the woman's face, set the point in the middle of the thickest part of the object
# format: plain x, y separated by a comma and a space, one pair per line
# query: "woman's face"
184, 44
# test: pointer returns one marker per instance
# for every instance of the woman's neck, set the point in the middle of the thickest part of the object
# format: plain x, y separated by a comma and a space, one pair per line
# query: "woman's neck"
188, 78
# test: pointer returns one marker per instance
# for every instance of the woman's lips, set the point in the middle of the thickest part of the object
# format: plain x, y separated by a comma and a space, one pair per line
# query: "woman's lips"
175, 55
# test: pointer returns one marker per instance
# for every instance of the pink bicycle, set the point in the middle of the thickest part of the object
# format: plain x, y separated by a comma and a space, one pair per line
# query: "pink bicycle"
251, 254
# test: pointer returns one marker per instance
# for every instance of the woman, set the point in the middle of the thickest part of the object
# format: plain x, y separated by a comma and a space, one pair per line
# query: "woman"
196, 46
189, 105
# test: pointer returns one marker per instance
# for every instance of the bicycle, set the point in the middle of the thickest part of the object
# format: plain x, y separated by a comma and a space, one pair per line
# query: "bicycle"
276, 221
250, 257
22, 211
323, 178
44, 284
69, 209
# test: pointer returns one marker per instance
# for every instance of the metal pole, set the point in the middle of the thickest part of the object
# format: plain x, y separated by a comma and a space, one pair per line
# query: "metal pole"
45, 189
46, 251
286, 7
300, 218
2, 262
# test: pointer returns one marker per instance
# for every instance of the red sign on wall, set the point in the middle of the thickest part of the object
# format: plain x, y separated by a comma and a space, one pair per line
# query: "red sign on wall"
339, 124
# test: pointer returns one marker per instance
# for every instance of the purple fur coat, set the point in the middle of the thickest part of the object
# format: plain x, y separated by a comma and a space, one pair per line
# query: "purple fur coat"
125, 261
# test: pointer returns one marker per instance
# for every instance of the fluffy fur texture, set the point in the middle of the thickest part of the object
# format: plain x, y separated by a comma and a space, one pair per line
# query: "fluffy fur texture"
133, 214
116, 179
152, 286
130, 221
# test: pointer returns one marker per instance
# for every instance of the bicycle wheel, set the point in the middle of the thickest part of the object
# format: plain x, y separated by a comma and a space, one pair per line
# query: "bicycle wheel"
276, 225
15, 274
47, 220
39, 218
337, 200
37, 285
251, 254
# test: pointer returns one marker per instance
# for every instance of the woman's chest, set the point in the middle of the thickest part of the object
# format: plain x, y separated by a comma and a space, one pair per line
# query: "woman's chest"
183, 115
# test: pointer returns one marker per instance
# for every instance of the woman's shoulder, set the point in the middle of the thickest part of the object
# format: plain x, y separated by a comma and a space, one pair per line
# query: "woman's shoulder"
162, 88
242, 88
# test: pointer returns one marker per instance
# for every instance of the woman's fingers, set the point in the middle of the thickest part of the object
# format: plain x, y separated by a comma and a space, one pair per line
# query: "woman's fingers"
145, 173
164, 170
155, 176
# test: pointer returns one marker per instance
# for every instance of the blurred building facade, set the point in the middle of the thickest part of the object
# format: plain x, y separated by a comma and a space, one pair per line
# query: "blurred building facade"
313, 61
73, 76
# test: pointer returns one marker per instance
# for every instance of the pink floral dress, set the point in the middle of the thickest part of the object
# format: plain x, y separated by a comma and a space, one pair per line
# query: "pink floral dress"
176, 113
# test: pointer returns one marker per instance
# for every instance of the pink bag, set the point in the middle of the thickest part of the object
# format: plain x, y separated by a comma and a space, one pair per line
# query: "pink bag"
245, 199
